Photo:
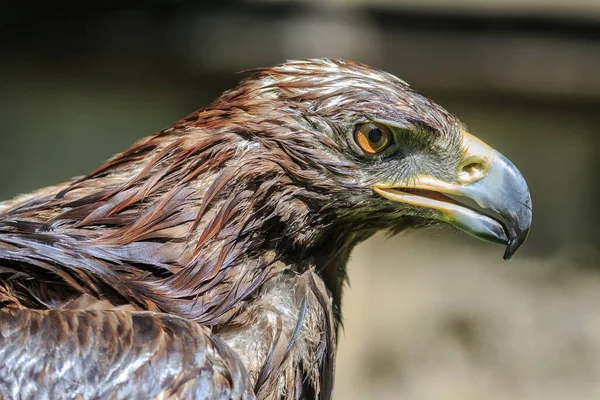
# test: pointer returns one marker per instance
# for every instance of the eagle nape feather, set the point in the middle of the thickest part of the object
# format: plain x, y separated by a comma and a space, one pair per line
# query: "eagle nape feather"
208, 260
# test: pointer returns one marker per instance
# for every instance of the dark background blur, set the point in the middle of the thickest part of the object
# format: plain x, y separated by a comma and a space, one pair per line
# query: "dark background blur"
431, 315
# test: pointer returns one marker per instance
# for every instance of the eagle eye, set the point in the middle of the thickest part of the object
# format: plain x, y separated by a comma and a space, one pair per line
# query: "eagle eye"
372, 137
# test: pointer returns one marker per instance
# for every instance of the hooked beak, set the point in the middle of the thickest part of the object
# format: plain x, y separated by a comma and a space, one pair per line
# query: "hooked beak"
484, 176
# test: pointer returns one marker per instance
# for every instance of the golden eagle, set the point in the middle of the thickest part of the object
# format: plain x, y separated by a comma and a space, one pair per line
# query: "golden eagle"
208, 260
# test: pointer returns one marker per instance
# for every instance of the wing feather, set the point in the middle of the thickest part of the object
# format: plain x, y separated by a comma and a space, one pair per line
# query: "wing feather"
95, 354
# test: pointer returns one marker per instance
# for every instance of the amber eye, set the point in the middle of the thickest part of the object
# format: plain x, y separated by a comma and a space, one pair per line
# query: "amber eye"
372, 138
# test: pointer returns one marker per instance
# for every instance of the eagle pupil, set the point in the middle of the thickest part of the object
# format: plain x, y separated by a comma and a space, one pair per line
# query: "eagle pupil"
375, 135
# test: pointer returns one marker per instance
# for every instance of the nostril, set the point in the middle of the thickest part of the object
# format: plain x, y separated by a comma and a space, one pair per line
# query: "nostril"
473, 167
472, 170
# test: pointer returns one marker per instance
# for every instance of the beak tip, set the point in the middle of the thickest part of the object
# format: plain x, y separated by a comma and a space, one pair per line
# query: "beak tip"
514, 243
507, 255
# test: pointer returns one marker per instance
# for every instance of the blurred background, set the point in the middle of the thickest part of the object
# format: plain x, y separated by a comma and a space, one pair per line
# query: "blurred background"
428, 315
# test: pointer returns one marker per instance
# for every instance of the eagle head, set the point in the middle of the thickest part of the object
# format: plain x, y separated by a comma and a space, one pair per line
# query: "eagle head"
363, 151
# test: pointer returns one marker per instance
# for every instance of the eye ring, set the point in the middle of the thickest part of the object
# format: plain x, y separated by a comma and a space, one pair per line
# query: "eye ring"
373, 137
